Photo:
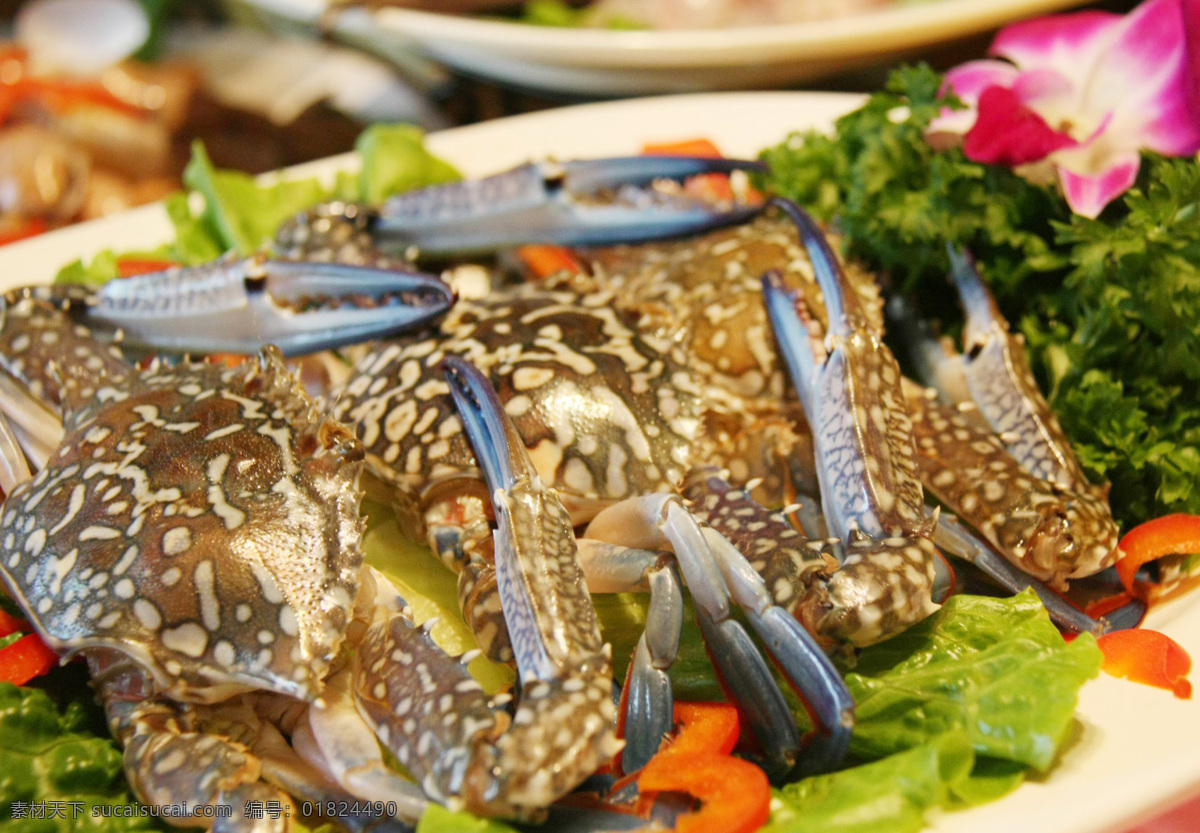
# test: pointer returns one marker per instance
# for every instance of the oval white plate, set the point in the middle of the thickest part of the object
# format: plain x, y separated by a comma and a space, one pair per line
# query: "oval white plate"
598, 62
1136, 749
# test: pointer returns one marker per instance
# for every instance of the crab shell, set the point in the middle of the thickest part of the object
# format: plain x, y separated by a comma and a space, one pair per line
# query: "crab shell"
200, 518
706, 294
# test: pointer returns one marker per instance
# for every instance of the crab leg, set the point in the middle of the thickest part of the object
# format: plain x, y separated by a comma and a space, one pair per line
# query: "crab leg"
173, 756
649, 699
718, 574
1002, 385
14, 468
565, 721
866, 461
540, 203
998, 458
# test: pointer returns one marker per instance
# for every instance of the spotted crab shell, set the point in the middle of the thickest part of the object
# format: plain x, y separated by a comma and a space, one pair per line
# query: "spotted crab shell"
202, 519
605, 412
706, 294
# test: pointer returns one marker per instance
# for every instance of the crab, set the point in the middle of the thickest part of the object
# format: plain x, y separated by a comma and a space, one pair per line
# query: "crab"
618, 410
700, 292
992, 451
195, 538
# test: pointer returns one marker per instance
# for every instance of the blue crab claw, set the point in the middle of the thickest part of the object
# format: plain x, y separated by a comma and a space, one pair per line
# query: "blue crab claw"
565, 723
237, 305
583, 203
849, 385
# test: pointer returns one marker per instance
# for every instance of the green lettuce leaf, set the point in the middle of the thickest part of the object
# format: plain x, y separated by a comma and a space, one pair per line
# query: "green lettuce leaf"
241, 215
996, 670
54, 764
888, 796
438, 819
394, 160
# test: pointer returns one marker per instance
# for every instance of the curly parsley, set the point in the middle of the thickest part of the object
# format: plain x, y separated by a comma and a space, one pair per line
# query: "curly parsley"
1111, 306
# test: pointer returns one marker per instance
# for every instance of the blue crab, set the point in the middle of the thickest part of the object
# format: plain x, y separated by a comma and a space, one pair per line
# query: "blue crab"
195, 538
616, 418
691, 289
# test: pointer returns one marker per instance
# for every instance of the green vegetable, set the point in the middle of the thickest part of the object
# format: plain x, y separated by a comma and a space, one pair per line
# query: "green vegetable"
561, 14
899, 200
1111, 307
429, 588
438, 819
995, 669
239, 212
54, 765
1120, 344
394, 159
241, 215
887, 796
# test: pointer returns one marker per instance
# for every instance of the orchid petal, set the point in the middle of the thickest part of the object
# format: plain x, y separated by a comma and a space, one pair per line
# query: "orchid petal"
972, 78
967, 81
1191, 36
1067, 43
1144, 76
1089, 194
1008, 132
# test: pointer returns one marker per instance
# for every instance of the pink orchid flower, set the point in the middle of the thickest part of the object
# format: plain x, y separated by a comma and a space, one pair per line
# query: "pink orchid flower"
1083, 94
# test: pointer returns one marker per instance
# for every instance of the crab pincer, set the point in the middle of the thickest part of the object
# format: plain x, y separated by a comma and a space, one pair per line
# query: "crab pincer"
565, 722
236, 305
991, 450
849, 386
588, 202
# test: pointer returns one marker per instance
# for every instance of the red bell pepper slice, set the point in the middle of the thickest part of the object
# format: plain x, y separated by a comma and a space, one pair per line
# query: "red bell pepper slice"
735, 795
25, 659
687, 147
1177, 534
1148, 657
127, 267
707, 187
27, 228
542, 261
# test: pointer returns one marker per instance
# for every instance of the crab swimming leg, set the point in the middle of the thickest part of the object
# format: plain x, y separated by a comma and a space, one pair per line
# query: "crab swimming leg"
718, 576
564, 727
866, 461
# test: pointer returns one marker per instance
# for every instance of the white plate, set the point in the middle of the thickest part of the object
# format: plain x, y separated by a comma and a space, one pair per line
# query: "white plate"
1137, 749
598, 62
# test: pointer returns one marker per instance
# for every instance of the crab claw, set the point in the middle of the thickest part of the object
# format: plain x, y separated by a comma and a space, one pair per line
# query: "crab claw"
237, 305
582, 203
849, 387
565, 722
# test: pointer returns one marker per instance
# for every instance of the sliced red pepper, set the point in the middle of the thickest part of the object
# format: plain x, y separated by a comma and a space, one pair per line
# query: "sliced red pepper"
1177, 534
127, 267
25, 659
27, 228
10, 624
542, 261
705, 727
1148, 657
62, 96
687, 147
735, 795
